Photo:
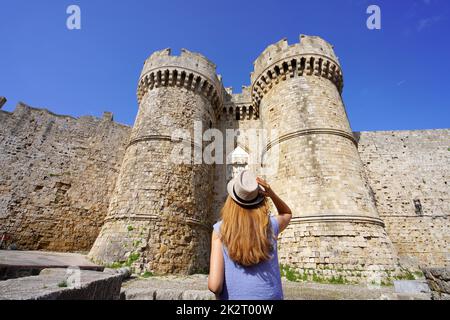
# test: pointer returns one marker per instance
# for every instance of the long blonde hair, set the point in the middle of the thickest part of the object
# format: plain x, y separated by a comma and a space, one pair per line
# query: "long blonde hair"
246, 232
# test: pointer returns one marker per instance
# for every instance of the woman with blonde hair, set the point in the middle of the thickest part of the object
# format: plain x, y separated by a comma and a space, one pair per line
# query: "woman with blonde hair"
244, 260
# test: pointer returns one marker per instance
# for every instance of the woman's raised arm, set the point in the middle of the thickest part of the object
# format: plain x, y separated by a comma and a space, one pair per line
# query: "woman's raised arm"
284, 212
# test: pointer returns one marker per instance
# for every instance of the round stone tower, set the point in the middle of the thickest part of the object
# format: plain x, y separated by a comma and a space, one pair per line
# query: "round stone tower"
159, 214
335, 230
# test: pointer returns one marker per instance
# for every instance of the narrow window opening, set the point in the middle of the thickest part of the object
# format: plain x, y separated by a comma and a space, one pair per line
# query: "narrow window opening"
277, 70
158, 76
303, 64
166, 77
294, 65
174, 78
311, 66
418, 207
183, 78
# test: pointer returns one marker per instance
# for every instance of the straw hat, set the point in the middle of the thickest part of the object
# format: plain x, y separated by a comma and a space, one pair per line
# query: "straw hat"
244, 189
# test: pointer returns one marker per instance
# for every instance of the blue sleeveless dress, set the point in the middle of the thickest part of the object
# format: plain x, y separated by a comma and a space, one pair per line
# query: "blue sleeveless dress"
258, 282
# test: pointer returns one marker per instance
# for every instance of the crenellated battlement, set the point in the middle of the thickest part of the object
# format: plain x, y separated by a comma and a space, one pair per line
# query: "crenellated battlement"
189, 70
282, 50
279, 61
243, 97
187, 59
239, 106
23, 108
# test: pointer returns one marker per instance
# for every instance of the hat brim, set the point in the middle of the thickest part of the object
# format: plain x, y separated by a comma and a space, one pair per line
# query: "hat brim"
255, 202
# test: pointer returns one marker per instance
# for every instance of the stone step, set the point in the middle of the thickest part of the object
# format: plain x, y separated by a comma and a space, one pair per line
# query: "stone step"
65, 284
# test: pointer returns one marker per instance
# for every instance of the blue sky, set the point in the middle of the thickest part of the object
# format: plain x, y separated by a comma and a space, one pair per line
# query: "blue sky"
396, 78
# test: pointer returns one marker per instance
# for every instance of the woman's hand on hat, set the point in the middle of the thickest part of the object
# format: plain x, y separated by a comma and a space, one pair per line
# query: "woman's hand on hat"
265, 190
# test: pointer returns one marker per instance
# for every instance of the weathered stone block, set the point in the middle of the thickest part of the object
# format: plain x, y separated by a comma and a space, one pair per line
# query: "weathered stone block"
54, 284
411, 286
439, 281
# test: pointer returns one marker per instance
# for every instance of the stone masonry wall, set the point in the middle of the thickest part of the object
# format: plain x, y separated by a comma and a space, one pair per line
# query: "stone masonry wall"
323, 180
57, 175
409, 172
160, 208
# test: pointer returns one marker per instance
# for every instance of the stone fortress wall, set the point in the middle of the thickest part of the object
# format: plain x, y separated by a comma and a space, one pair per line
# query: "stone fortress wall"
409, 173
57, 174
362, 201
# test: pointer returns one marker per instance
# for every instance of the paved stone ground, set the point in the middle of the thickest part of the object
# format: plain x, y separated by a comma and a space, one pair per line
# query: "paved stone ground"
16, 264
195, 287
35, 258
